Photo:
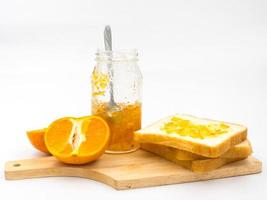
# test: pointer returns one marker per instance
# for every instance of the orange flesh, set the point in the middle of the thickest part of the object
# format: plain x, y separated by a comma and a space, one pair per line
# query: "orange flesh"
60, 139
122, 124
95, 133
77, 141
36, 138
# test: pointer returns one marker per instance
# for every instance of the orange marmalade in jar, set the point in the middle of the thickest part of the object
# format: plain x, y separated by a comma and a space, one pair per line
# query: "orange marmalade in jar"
116, 97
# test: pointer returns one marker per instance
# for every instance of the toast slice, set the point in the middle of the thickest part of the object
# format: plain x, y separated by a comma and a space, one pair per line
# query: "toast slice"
237, 152
204, 137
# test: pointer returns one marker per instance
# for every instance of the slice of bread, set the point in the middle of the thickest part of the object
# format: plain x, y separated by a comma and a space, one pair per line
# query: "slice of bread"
211, 147
177, 153
238, 152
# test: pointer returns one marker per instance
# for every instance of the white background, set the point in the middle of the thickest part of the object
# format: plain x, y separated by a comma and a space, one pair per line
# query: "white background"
206, 58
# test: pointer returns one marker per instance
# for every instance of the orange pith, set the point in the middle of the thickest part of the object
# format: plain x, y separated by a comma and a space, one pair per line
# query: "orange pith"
36, 138
77, 140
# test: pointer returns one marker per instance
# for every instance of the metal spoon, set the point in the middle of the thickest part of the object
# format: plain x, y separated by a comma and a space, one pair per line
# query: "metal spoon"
112, 106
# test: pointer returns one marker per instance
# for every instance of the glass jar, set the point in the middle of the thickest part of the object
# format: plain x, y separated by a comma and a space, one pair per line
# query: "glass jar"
118, 71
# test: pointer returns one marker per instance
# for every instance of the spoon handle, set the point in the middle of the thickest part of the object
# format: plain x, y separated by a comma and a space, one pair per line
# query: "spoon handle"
108, 38
108, 47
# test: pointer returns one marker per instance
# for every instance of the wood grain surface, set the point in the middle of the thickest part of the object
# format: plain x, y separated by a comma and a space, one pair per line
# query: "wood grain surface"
125, 171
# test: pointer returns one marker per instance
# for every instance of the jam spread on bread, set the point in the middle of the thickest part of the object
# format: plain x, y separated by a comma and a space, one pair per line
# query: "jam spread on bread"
185, 127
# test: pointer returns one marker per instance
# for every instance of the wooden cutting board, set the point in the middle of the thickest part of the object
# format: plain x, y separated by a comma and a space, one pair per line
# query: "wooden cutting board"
125, 171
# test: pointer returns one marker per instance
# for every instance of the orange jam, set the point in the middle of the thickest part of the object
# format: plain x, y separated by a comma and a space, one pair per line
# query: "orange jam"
122, 125
185, 127
100, 82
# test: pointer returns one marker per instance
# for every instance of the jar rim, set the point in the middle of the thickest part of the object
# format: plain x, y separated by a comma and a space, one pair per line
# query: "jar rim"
117, 55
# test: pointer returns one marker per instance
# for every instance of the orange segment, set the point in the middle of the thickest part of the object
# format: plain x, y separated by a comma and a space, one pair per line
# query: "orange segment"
59, 133
77, 140
94, 134
36, 138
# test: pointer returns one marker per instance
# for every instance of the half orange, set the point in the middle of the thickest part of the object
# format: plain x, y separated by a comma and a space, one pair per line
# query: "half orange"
36, 138
77, 140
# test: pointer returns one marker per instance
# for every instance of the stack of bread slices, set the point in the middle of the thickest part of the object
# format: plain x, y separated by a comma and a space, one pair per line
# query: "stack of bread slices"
195, 143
